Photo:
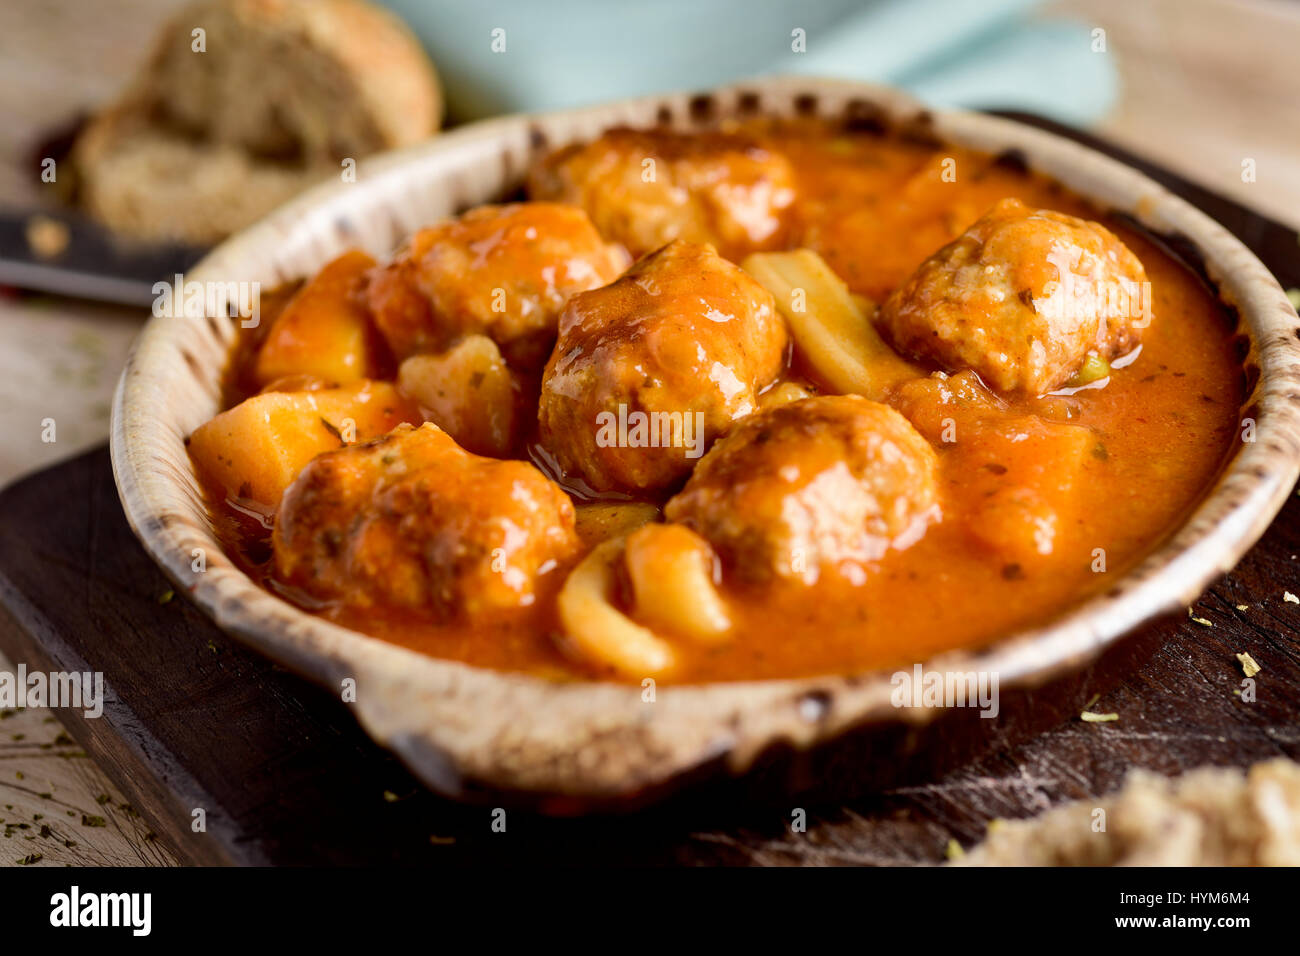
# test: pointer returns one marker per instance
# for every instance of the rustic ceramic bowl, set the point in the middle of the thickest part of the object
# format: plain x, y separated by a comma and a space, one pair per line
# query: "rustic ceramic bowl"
465, 730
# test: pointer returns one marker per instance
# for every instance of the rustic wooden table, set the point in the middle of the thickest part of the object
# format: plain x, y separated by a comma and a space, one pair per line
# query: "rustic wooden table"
1206, 85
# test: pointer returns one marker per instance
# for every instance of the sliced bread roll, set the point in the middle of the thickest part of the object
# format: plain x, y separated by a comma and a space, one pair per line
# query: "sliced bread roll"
147, 183
208, 140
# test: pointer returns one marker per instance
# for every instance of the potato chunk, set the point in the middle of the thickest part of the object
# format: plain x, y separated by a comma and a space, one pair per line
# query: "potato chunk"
1021, 475
255, 450
324, 330
1016, 476
468, 392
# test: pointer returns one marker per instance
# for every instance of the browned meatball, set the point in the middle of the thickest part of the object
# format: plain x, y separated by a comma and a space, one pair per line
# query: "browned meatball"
500, 271
818, 487
644, 188
1022, 297
651, 369
411, 521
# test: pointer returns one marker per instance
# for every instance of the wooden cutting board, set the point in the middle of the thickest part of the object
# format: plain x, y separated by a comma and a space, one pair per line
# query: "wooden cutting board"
285, 776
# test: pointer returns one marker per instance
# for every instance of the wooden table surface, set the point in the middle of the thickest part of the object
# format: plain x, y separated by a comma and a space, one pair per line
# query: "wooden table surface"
1206, 85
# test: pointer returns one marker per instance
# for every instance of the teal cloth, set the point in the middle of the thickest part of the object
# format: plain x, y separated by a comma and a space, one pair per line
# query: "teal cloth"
561, 53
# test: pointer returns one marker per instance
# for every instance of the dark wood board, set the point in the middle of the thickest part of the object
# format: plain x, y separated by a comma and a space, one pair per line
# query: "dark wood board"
285, 776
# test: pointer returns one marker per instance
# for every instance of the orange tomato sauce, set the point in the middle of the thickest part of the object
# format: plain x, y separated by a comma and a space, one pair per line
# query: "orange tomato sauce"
875, 207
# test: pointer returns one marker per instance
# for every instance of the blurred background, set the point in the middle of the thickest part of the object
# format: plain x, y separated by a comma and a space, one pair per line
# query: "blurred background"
1197, 85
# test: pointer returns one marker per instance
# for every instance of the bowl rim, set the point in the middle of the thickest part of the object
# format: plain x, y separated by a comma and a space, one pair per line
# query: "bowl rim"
597, 739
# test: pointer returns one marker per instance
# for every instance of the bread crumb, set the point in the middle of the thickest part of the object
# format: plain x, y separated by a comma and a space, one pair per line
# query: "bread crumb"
1243, 607
1088, 717
1203, 622
1249, 667
1290, 598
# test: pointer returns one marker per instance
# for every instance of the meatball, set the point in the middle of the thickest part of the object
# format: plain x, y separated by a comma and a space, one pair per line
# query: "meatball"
500, 271
651, 369
644, 188
1022, 297
818, 487
411, 521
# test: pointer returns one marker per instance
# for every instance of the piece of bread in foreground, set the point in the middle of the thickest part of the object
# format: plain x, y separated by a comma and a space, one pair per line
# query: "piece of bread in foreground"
1210, 816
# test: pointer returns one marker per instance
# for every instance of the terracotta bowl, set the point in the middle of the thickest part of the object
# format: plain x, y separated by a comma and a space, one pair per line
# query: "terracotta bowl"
468, 731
